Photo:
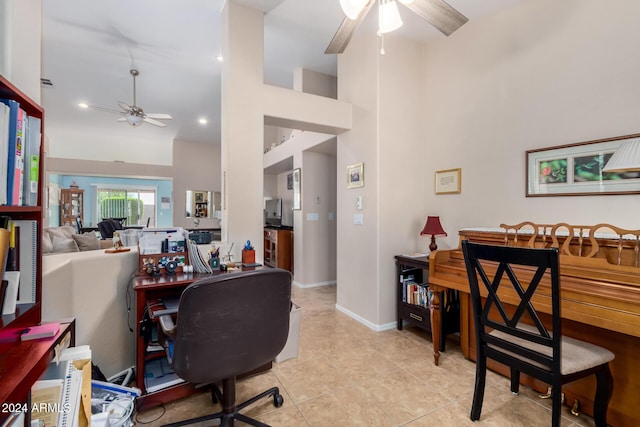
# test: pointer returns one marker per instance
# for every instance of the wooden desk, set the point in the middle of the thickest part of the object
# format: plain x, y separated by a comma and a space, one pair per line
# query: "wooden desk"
25, 362
600, 298
151, 288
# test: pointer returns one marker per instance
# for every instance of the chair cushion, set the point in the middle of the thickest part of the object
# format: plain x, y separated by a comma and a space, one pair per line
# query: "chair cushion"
87, 242
576, 355
64, 245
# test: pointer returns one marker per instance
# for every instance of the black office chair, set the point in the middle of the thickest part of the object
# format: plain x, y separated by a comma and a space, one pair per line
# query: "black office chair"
528, 347
107, 227
228, 325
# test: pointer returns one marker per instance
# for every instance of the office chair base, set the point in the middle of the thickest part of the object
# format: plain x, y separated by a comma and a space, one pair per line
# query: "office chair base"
227, 418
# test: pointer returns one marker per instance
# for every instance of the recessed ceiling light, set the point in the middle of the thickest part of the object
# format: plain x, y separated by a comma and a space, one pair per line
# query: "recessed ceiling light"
83, 105
202, 121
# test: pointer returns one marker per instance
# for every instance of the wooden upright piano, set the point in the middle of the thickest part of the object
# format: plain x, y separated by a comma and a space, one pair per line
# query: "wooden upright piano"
600, 301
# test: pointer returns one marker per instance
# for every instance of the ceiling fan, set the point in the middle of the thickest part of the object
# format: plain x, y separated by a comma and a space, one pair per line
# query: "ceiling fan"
436, 12
133, 114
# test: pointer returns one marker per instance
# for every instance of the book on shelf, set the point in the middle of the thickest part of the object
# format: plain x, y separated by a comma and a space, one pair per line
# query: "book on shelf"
12, 128
31, 161
4, 148
46, 330
159, 375
23, 258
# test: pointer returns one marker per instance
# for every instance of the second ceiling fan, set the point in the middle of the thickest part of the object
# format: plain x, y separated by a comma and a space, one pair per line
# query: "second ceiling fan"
437, 12
133, 114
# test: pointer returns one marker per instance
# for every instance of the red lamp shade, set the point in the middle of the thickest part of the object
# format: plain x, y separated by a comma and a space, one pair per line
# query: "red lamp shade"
433, 228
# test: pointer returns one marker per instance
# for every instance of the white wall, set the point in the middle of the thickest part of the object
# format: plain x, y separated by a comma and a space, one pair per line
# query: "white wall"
386, 94
318, 265
540, 74
20, 44
202, 161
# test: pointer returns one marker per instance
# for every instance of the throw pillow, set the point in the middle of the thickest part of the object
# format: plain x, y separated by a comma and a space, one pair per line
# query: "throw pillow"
47, 245
87, 242
62, 245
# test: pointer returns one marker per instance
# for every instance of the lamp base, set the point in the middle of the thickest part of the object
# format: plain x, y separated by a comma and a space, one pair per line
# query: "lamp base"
433, 245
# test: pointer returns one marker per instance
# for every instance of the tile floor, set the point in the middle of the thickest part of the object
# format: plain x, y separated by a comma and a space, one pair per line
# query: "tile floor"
348, 375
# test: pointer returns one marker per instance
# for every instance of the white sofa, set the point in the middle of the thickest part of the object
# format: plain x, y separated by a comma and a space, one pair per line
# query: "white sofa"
92, 287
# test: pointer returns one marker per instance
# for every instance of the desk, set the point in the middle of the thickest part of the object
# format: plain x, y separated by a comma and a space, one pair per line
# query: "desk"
150, 288
25, 362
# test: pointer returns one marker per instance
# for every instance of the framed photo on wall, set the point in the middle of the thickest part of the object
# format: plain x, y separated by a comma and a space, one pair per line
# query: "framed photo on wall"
449, 181
355, 175
577, 170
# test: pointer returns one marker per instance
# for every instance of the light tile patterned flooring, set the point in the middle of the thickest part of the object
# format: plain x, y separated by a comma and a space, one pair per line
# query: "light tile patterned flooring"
348, 375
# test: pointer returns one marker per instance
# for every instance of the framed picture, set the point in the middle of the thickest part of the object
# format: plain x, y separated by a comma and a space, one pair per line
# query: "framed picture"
290, 181
355, 175
297, 185
449, 181
576, 170
199, 196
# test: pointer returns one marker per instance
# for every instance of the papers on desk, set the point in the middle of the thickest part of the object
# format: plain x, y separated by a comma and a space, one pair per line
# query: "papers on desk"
161, 240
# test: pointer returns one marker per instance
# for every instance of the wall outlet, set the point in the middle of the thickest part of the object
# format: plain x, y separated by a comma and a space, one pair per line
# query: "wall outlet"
359, 203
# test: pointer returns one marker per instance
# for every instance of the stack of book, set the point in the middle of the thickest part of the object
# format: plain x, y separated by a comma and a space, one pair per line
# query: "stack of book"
19, 155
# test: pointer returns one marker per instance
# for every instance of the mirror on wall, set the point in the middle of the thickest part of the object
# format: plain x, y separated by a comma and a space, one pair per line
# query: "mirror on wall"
202, 204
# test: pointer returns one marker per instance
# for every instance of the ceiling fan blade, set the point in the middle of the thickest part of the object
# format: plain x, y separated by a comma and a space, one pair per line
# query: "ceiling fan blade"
154, 122
125, 107
439, 14
108, 110
158, 116
342, 37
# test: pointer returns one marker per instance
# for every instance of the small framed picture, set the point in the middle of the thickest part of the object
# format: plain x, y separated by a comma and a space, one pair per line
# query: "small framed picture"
449, 181
355, 175
290, 181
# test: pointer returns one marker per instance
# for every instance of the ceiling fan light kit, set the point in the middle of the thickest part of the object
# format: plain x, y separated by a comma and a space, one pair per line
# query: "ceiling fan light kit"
388, 16
352, 8
438, 13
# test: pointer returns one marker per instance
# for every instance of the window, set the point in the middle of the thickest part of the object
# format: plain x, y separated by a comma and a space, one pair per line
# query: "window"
131, 206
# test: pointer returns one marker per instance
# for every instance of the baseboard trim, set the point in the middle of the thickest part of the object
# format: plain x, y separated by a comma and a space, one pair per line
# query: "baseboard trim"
313, 285
368, 324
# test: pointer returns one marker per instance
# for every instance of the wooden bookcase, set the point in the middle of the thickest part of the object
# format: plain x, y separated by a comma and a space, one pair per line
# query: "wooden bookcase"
71, 206
18, 357
418, 315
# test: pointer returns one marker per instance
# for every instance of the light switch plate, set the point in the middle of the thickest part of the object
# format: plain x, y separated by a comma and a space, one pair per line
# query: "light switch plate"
358, 219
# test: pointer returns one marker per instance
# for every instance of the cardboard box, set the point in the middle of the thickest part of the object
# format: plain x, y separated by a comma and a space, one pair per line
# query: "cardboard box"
290, 349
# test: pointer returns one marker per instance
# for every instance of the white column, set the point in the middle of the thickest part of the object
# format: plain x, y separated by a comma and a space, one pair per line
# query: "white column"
242, 127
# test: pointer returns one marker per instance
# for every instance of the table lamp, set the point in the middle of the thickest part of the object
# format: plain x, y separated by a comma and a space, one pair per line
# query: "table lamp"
434, 228
626, 158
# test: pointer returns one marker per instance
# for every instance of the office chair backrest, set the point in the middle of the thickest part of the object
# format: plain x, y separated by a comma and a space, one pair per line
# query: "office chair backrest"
526, 287
231, 324
106, 229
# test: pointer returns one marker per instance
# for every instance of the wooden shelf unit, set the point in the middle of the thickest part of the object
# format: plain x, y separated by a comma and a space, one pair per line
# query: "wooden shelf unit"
278, 248
418, 315
22, 363
71, 206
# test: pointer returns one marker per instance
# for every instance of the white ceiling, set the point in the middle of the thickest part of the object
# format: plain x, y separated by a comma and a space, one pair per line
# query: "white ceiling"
89, 47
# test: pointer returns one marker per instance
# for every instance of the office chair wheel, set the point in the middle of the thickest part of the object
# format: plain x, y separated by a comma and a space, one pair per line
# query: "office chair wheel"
277, 400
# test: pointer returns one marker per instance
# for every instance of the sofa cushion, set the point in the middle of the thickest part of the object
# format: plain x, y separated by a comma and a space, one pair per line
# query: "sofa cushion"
47, 244
64, 245
87, 241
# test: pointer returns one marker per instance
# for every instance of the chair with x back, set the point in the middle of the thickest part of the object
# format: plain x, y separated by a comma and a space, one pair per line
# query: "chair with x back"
509, 287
